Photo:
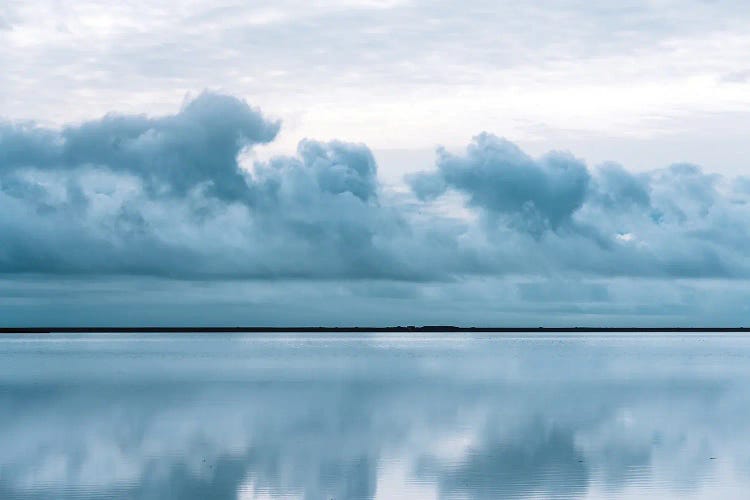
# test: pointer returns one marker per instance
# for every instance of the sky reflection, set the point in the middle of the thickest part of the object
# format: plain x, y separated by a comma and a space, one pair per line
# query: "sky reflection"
228, 416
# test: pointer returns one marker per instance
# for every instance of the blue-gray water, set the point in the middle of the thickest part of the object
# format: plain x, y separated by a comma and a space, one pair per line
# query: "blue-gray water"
374, 416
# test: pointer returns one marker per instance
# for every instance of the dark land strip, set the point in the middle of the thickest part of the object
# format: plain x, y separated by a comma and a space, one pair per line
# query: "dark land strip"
361, 329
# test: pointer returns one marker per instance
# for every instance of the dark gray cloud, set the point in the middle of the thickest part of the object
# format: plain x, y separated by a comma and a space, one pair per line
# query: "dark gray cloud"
334, 168
678, 221
170, 155
168, 196
618, 189
100, 197
499, 178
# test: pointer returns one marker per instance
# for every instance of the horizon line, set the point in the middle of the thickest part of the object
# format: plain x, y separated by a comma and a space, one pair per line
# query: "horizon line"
362, 329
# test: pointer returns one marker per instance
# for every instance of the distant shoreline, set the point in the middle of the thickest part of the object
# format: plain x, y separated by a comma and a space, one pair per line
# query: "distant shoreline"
360, 329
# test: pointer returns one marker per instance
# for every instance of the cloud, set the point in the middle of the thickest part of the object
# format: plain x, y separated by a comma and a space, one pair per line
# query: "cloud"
678, 221
135, 194
167, 196
564, 292
618, 189
500, 179
169, 155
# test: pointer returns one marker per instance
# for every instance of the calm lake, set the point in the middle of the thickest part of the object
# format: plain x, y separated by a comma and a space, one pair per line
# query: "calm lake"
342, 416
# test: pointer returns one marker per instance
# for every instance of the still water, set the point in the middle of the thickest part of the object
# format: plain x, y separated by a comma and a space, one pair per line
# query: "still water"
321, 416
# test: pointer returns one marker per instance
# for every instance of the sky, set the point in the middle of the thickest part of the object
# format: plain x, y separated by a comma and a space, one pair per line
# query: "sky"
375, 162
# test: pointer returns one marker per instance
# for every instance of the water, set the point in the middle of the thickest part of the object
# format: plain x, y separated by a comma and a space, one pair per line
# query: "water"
374, 416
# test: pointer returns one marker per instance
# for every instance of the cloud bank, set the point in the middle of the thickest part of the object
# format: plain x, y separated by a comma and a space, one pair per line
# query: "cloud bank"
169, 196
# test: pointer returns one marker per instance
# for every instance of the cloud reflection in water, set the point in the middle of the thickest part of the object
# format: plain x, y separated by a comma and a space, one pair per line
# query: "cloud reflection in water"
207, 416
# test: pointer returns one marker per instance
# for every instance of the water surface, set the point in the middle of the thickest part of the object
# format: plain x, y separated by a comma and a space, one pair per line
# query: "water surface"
343, 416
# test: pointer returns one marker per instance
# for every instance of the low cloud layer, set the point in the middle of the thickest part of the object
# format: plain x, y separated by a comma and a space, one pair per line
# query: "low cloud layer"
168, 196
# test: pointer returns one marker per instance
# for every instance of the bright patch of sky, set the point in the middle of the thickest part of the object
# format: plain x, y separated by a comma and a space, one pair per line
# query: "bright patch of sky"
643, 82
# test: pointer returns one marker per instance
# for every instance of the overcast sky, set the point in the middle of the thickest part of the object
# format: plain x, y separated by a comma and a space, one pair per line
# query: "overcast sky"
351, 161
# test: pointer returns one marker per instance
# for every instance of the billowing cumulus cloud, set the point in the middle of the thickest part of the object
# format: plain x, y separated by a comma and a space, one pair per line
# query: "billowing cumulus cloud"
501, 179
131, 194
677, 221
168, 196
170, 155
